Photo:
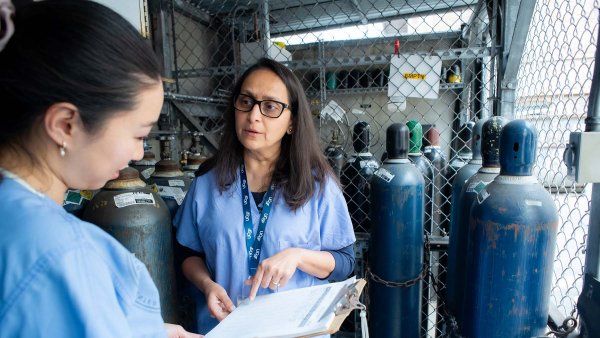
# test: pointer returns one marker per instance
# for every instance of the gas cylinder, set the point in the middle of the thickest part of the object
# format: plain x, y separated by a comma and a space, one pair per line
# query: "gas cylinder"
171, 183
457, 251
436, 156
422, 163
193, 163
146, 165
454, 75
512, 235
396, 248
335, 154
426, 168
139, 219
195, 158
465, 173
356, 176
459, 160
75, 200
464, 153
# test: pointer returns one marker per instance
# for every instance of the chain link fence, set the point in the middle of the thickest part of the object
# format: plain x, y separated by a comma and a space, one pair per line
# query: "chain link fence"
343, 53
554, 84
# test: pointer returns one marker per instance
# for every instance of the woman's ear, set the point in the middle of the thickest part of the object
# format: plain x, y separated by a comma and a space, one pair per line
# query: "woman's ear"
61, 121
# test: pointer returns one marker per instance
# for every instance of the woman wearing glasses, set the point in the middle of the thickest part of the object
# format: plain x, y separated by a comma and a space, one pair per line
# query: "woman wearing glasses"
265, 213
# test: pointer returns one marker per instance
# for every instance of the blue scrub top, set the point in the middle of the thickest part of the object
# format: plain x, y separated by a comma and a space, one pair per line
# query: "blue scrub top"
211, 222
62, 277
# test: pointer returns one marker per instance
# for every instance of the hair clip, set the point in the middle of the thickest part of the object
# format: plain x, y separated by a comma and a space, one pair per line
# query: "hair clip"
6, 12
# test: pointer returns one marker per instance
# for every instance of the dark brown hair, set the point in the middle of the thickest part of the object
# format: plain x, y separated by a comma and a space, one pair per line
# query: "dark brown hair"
301, 162
72, 51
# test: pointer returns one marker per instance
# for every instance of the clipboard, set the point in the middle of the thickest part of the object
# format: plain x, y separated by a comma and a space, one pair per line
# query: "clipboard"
305, 312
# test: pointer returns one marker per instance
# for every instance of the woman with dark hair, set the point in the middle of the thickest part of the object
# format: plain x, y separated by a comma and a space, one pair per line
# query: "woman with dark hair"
79, 90
269, 178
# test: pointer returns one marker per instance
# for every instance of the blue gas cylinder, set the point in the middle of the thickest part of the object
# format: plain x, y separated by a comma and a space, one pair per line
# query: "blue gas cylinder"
512, 234
356, 176
457, 259
464, 154
396, 248
465, 173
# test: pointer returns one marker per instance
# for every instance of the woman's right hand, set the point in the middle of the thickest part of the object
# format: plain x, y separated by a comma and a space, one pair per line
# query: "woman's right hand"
218, 302
177, 331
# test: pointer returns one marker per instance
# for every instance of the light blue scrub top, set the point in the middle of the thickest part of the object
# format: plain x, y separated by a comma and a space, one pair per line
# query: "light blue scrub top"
211, 222
62, 277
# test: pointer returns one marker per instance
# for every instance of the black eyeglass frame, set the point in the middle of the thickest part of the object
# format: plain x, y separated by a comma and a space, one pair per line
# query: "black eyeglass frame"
259, 102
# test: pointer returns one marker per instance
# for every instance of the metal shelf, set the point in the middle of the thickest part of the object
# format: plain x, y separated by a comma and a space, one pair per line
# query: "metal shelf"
376, 90
338, 62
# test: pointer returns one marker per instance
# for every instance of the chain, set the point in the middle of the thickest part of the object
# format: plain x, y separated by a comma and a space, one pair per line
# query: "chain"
404, 284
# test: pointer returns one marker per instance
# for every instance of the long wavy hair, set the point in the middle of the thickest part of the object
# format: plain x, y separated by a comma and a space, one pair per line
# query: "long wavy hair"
301, 162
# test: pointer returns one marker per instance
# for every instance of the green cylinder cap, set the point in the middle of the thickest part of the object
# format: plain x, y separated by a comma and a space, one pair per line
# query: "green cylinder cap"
416, 136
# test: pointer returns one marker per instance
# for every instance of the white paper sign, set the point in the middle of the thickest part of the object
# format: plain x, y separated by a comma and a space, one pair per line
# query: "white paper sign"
132, 198
146, 173
384, 174
414, 75
172, 192
176, 183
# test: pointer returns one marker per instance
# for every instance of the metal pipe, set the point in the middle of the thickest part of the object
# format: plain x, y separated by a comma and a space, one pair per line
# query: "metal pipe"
496, 64
236, 53
481, 4
363, 16
592, 124
174, 39
265, 30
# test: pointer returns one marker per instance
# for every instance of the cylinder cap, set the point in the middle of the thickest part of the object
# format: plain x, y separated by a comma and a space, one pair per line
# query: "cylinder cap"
490, 141
433, 136
195, 159
361, 137
129, 178
518, 142
465, 137
416, 136
397, 141
167, 166
476, 140
148, 155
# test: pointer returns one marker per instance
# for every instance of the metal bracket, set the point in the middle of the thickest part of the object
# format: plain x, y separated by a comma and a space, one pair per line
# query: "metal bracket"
188, 120
581, 158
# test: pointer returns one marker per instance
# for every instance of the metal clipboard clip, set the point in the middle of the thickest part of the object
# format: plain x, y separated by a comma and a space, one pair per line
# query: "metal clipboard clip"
349, 300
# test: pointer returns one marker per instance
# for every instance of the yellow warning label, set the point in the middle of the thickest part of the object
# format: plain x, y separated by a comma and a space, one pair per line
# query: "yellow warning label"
87, 194
414, 76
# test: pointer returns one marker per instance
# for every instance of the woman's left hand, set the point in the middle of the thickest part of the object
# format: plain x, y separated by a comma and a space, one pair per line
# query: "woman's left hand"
275, 271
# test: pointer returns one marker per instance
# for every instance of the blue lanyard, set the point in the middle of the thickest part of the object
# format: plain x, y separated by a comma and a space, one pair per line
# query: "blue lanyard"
254, 244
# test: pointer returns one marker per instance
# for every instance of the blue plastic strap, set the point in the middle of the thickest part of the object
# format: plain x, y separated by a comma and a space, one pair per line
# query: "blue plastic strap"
254, 243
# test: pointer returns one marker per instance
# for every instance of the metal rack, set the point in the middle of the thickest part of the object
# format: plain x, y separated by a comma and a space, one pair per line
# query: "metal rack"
487, 45
336, 62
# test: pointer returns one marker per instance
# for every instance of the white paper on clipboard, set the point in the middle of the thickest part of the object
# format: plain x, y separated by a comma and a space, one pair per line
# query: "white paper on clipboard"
294, 313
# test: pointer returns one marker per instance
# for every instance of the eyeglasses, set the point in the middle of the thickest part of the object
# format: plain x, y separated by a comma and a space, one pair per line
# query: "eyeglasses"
269, 108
